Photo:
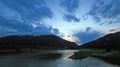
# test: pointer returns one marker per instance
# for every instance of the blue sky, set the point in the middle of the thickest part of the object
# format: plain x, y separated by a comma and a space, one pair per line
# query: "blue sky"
78, 21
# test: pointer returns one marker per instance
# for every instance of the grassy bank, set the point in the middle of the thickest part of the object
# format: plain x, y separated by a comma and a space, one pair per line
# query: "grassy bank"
84, 54
111, 57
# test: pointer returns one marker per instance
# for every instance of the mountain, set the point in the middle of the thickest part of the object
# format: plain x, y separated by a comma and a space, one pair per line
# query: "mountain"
35, 42
110, 41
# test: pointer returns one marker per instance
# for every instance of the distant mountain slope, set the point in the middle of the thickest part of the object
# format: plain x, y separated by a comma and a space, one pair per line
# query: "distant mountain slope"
111, 41
35, 42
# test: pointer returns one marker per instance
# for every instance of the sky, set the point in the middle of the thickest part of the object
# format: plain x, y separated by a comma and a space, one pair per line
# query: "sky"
77, 21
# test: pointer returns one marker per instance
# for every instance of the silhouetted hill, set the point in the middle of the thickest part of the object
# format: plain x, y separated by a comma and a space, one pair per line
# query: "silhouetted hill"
35, 42
110, 41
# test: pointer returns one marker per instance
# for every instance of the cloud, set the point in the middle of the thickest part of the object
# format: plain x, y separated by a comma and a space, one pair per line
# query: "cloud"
70, 18
14, 27
6, 31
87, 36
43, 30
105, 10
112, 30
13, 24
30, 12
29, 9
56, 31
70, 5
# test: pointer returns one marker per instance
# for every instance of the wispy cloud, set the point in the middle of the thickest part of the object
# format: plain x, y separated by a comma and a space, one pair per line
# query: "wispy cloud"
108, 10
70, 18
29, 9
70, 5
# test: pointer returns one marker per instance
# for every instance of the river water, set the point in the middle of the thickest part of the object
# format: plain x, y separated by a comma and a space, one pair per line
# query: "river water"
31, 60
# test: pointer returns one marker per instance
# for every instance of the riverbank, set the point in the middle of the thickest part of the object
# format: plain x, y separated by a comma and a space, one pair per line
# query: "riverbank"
111, 57
84, 54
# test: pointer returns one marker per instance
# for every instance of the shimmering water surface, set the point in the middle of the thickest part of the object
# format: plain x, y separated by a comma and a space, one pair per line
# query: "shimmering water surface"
31, 60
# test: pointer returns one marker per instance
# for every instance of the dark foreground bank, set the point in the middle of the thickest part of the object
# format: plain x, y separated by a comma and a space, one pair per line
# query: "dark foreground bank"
111, 57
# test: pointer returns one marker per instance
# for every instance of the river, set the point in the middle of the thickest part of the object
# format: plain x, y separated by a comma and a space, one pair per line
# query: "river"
31, 60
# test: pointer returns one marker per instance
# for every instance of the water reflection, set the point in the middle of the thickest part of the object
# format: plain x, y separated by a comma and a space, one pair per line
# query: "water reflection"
25, 60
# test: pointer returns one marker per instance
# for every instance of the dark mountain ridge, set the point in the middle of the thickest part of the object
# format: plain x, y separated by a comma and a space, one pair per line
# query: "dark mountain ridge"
110, 41
35, 42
